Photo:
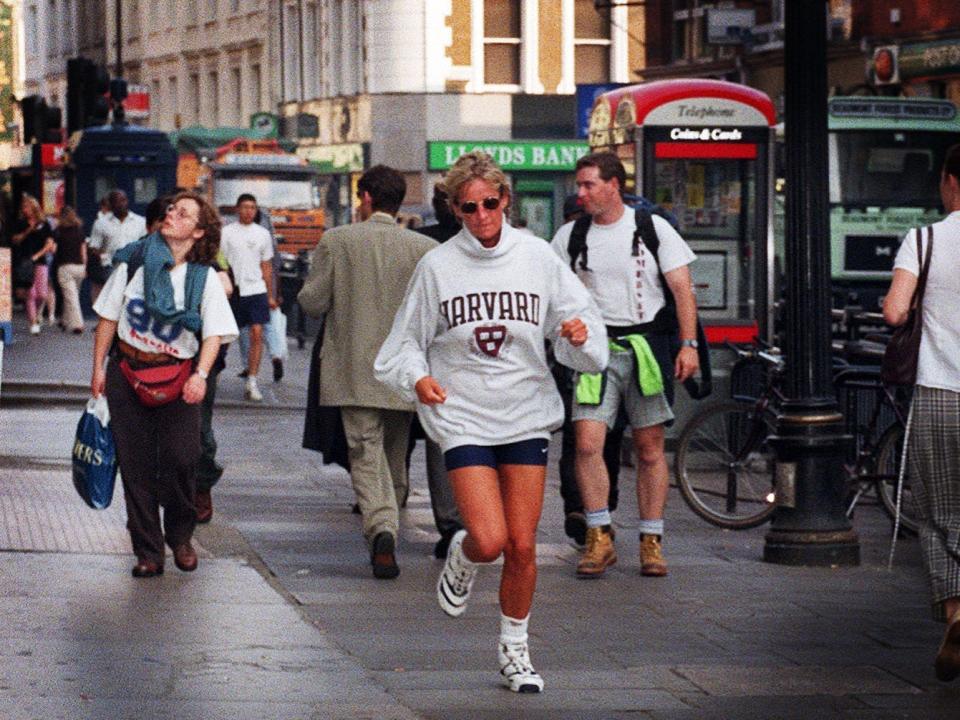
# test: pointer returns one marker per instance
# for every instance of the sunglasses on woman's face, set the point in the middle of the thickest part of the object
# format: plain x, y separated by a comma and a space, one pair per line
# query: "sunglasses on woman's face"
470, 207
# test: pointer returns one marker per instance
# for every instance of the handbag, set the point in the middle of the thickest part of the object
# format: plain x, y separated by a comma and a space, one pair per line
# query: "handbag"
23, 272
157, 385
94, 455
899, 364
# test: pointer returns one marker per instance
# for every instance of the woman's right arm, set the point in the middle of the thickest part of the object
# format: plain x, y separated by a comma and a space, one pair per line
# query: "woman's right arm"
401, 363
896, 305
103, 338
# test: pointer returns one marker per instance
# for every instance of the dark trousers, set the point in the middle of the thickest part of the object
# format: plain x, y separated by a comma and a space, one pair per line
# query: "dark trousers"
157, 449
207, 470
569, 489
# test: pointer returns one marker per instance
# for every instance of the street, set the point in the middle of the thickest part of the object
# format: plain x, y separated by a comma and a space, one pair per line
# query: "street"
283, 619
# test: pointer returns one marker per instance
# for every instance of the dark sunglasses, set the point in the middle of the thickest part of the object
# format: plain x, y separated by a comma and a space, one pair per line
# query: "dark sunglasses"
470, 207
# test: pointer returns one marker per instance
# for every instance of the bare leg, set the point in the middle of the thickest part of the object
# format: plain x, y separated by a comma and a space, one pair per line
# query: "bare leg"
256, 349
589, 465
522, 489
653, 475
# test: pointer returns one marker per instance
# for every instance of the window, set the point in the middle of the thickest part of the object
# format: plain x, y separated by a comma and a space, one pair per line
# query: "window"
501, 42
193, 84
234, 6
131, 22
210, 6
256, 88
311, 52
591, 29
54, 31
174, 101
157, 101
236, 92
32, 30
214, 92
690, 30
291, 53
192, 13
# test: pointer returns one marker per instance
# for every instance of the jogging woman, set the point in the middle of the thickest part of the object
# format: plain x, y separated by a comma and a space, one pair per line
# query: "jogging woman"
468, 344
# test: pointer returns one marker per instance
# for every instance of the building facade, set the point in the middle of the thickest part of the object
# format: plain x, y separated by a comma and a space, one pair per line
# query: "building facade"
410, 83
924, 37
201, 62
53, 31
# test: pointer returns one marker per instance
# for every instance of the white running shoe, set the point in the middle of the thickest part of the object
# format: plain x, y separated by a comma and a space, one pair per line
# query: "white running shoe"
454, 583
35, 329
253, 392
515, 669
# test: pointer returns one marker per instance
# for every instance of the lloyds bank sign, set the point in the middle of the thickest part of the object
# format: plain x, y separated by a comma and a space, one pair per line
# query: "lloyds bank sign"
512, 156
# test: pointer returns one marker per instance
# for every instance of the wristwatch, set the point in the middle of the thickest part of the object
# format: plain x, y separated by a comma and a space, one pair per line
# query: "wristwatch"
202, 373
689, 343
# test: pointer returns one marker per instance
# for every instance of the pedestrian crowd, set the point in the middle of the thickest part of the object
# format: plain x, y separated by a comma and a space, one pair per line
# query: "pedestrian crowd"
471, 333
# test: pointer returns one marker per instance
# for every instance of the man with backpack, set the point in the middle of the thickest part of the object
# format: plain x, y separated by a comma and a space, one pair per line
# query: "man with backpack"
636, 267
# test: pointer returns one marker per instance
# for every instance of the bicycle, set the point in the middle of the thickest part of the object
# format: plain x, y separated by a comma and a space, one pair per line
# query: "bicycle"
725, 466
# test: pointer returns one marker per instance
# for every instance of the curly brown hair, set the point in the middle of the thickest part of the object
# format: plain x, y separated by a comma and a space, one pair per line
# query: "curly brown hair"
204, 251
476, 165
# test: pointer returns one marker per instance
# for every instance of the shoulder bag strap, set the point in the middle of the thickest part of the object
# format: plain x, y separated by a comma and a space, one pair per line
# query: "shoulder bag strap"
918, 293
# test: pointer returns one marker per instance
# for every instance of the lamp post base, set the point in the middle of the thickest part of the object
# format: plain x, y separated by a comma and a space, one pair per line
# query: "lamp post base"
814, 549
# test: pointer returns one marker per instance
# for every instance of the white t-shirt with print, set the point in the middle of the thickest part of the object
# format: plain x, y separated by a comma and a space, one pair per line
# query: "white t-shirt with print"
245, 247
122, 302
626, 288
939, 362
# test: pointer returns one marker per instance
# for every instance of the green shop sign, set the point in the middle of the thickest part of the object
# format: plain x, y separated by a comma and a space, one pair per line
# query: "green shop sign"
930, 59
511, 156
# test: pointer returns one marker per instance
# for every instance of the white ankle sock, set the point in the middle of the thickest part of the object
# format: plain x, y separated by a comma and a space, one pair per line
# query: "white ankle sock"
598, 518
651, 527
513, 630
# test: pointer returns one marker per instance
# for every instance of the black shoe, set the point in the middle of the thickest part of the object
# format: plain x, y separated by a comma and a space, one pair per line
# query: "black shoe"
575, 527
243, 373
382, 557
277, 369
355, 509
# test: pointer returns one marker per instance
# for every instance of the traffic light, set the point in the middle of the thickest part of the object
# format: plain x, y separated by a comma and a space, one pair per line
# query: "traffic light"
87, 86
40, 121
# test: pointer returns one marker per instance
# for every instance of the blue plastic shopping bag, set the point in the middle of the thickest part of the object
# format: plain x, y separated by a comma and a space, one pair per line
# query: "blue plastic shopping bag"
95, 455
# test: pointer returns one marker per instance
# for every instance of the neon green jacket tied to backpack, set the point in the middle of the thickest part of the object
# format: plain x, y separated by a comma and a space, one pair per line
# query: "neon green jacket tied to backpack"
590, 386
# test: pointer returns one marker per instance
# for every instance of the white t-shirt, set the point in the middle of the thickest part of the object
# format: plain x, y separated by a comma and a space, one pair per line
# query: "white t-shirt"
122, 301
245, 247
939, 362
626, 288
109, 234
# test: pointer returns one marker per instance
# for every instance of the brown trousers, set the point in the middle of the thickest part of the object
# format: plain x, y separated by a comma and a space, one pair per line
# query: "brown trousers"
158, 449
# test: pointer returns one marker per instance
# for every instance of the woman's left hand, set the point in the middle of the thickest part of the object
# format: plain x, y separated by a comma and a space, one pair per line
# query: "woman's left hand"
194, 389
574, 330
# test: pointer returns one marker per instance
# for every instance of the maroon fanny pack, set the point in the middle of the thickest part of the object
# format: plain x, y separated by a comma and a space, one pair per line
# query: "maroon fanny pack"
157, 385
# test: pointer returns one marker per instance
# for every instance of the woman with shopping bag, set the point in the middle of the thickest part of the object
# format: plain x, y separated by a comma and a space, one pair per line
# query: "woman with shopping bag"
163, 314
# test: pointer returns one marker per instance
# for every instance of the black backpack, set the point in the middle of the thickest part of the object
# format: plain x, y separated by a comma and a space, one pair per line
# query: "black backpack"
666, 319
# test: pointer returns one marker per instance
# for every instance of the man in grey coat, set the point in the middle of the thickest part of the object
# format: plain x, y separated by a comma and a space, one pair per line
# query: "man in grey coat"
358, 276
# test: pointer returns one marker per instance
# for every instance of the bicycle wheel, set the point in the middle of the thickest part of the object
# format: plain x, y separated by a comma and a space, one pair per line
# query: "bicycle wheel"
889, 452
725, 466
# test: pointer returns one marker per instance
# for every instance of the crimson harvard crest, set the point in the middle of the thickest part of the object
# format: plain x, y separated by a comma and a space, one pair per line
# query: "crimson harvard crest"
490, 338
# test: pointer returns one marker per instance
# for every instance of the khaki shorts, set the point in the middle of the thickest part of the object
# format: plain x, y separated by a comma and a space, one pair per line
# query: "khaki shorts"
622, 385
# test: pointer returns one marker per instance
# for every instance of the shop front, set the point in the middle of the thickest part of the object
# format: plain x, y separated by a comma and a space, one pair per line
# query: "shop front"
340, 168
541, 174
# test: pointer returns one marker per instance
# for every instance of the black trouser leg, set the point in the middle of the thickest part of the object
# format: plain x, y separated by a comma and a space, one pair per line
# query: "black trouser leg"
208, 472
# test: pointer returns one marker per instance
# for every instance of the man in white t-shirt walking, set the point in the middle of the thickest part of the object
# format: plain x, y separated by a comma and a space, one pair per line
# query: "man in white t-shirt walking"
622, 275
248, 249
112, 231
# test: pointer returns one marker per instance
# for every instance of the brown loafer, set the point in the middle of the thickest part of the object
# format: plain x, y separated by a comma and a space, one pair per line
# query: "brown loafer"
185, 557
382, 557
145, 569
204, 506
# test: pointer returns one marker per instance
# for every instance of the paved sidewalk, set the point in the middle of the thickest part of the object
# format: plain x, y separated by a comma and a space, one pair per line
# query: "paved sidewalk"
283, 618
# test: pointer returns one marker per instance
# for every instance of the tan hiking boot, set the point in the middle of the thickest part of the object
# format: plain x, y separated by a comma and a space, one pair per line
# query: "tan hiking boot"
598, 555
652, 563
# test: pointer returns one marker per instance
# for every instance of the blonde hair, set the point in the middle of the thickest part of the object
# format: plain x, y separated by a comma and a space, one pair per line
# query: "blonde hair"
68, 217
34, 206
476, 165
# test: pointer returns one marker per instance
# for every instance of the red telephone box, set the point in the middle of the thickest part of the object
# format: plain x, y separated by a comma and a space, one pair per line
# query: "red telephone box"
703, 149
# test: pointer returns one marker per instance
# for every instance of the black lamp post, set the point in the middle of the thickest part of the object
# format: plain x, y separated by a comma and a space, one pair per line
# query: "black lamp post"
809, 526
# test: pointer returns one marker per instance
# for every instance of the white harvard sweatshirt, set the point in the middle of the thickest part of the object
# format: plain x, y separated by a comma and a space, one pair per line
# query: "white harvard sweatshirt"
475, 319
